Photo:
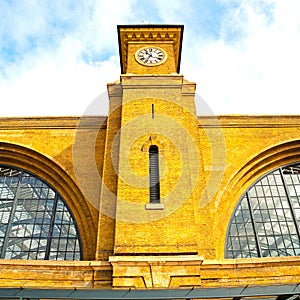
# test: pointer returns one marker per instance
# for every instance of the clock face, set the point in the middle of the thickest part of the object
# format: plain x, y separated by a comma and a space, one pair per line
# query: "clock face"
151, 56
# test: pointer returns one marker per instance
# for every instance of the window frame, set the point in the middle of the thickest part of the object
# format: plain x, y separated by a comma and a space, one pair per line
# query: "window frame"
246, 199
154, 179
56, 200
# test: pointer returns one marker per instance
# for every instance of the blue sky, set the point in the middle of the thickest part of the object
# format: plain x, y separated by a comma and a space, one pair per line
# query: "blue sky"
57, 56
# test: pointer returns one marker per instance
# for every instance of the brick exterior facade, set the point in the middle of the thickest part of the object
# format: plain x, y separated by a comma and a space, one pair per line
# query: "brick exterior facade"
99, 165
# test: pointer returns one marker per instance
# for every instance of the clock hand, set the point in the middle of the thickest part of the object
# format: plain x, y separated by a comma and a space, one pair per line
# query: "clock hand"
149, 55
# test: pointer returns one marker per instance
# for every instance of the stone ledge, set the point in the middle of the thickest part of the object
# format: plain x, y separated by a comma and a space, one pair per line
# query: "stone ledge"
154, 206
58, 274
156, 271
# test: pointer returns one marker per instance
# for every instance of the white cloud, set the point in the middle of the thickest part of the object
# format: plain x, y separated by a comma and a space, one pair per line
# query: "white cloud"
247, 64
66, 77
259, 73
56, 83
174, 12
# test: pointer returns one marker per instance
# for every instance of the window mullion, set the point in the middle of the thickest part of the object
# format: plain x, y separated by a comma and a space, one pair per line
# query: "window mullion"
49, 238
11, 217
259, 252
290, 202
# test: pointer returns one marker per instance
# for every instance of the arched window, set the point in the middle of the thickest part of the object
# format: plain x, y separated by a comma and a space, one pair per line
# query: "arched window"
266, 220
154, 174
35, 222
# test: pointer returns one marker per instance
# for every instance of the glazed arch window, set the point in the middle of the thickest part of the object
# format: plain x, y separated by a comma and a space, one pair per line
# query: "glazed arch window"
266, 220
35, 222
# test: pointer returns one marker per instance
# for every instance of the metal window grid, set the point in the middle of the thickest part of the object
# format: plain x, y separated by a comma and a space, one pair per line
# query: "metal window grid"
265, 221
35, 222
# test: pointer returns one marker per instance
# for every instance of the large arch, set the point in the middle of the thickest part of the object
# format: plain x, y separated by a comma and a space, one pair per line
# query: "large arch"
48, 170
263, 163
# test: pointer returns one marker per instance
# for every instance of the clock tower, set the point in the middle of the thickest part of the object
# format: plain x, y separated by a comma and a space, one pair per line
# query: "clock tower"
152, 162
155, 46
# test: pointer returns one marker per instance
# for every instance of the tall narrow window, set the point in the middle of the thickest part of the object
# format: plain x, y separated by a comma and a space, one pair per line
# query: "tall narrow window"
152, 111
154, 174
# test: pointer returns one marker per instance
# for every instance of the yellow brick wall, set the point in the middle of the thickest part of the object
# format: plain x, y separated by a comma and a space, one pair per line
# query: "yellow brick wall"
227, 149
68, 154
109, 177
172, 128
248, 147
234, 150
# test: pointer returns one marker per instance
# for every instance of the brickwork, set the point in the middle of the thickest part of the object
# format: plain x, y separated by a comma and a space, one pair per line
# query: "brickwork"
253, 146
149, 272
171, 127
107, 213
54, 148
100, 166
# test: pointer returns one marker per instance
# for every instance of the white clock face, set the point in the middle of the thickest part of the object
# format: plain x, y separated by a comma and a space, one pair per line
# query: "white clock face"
151, 56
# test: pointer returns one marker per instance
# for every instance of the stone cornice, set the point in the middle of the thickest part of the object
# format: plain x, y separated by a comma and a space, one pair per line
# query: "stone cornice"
250, 121
27, 123
177, 271
93, 122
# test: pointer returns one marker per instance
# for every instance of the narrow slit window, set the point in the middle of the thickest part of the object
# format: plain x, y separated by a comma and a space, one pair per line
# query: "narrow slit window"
154, 174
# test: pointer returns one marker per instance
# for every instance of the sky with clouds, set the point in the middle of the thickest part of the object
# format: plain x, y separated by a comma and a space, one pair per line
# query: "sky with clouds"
57, 56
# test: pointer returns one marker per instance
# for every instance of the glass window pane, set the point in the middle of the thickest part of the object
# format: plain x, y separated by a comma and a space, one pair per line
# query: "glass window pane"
35, 221
273, 215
